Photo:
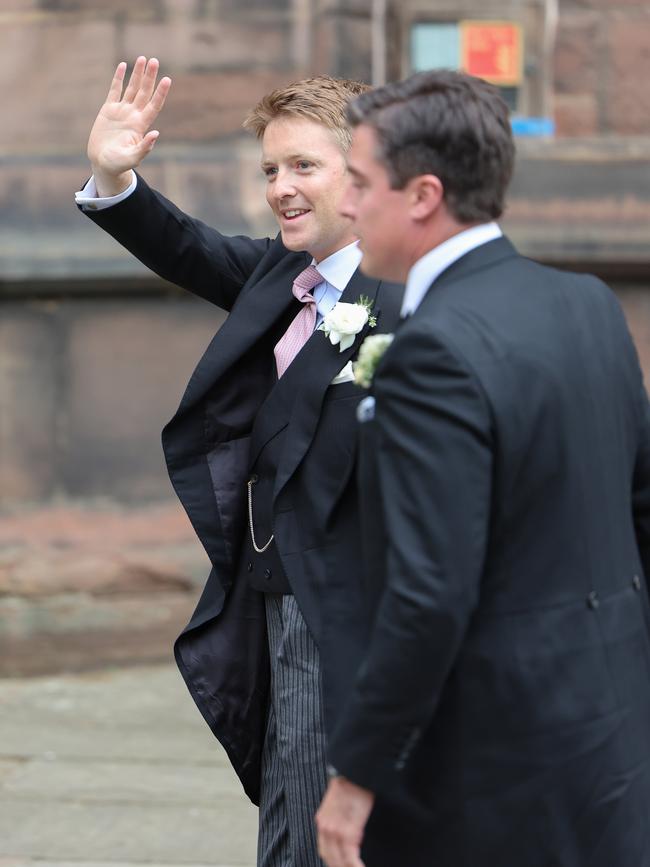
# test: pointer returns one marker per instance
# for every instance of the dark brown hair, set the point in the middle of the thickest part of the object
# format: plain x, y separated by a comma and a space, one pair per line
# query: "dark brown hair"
447, 124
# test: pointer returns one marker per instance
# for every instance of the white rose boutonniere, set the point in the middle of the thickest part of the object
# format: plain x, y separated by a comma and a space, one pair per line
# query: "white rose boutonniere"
345, 321
370, 353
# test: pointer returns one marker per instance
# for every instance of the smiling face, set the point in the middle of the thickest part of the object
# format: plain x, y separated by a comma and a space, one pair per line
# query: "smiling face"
306, 178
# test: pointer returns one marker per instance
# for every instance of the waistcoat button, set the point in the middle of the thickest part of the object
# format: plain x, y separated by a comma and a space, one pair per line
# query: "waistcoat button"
592, 600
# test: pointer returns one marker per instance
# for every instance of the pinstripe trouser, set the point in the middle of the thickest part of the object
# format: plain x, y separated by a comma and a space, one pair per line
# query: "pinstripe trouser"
293, 760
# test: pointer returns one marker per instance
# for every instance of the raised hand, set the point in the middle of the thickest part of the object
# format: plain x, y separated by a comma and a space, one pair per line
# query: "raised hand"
121, 136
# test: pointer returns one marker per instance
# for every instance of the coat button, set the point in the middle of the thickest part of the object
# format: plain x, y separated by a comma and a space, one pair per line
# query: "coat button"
249, 567
592, 600
268, 574
636, 583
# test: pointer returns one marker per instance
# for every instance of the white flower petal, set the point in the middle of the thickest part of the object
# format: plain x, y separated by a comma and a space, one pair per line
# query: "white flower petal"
346, 341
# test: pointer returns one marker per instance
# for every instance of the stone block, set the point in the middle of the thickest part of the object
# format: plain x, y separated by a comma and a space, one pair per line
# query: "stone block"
85, 389
30, 354
603, 5
63, 9
353, 48
139, 714
42, 233
115, 769
97, 780
69, 830
210, 46
64, 68
211, 106
73, 632
576, 114
578, 55
83, 587
125, 371
626, 95
37, 208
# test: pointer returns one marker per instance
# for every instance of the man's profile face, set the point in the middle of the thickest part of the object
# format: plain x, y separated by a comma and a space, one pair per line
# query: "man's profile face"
306, 178
379, 214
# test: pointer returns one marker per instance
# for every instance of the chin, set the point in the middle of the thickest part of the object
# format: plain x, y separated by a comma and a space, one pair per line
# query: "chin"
296, 245
371, 268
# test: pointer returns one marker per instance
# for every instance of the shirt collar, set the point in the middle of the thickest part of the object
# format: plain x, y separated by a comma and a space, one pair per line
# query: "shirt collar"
433, 263
338, 268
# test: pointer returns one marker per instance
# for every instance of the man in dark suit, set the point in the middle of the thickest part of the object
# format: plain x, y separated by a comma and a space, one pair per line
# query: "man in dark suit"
264, 436
501, 714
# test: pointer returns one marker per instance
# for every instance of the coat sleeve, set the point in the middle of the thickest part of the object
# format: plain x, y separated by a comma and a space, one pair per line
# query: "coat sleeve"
179, 248
641, 486
434, 465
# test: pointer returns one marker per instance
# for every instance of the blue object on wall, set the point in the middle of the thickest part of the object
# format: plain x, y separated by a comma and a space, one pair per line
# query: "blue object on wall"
532, 126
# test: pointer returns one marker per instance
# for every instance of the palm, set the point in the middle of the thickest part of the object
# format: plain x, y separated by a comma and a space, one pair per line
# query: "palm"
121, 136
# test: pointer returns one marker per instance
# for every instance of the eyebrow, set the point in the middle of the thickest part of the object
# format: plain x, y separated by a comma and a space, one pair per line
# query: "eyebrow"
312, 158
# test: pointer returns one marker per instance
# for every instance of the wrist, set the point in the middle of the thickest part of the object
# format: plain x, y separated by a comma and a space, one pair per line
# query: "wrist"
108, 185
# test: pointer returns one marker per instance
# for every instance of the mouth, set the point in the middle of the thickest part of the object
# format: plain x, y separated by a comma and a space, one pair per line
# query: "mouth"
292, 214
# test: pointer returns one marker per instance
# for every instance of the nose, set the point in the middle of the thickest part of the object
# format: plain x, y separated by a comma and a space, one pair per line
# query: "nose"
282, 187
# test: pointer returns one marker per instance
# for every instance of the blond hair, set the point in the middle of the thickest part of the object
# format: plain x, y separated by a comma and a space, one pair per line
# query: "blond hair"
322, 99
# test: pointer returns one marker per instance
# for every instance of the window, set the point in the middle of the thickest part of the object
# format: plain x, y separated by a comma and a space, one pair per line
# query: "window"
489, 49
435, 46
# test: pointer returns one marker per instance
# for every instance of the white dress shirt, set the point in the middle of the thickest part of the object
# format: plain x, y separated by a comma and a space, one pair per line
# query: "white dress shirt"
89, 200
337, 271
433, 263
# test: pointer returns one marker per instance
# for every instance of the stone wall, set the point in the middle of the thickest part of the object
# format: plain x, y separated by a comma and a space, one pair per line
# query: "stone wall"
602, 64
94, 351
87, 384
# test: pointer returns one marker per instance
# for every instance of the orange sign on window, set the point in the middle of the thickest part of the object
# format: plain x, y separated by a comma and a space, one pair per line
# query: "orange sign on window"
492, 50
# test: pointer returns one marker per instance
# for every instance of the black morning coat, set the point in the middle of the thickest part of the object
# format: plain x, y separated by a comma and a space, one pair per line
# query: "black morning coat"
502, 711
222, 653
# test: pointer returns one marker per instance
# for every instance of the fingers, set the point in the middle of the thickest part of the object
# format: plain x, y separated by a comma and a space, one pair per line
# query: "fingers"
338, 853
115, 90
135, 80
338, 845
160, 94
138, 152
149, 141
157, 101
147, 83
141, 90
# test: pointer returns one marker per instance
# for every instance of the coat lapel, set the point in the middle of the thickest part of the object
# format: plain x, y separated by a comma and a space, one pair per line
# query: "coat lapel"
310, 375
255, 312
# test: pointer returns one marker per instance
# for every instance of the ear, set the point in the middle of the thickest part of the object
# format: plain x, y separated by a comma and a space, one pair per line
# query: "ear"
426, 194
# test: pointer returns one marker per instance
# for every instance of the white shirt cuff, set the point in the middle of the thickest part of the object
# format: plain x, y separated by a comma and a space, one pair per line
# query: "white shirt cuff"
90, 201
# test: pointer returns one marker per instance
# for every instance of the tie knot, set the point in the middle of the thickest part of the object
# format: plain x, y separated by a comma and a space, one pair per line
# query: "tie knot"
305, 282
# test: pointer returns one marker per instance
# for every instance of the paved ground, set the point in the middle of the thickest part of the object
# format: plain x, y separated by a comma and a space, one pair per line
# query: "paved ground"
115, 768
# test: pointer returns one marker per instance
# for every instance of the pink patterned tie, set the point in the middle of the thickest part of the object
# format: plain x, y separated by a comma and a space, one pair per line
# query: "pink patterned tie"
302, 326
